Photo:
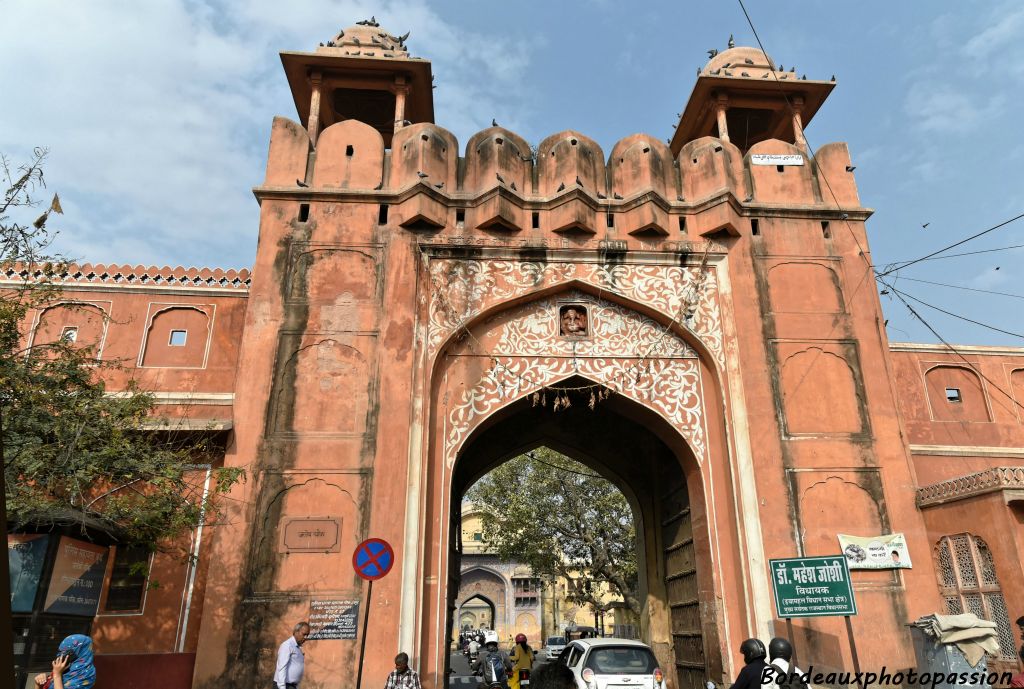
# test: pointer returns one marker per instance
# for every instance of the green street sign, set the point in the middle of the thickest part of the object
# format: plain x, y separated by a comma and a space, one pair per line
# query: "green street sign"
812, 587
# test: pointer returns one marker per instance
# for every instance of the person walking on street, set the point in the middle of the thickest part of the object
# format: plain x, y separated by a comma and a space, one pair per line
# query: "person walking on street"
402, 677
291, 662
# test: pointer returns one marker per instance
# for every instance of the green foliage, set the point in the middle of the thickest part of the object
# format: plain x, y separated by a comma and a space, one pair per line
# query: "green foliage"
73, 454
557, 516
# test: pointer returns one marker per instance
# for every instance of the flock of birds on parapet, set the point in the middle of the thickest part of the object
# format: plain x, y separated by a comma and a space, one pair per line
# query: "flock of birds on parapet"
381, 39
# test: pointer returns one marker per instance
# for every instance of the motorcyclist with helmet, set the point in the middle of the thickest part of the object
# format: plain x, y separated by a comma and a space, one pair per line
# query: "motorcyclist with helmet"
522, 661
754, 654
493, 663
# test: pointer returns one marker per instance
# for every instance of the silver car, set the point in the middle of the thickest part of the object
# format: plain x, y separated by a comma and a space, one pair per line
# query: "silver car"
554, 646
613, 664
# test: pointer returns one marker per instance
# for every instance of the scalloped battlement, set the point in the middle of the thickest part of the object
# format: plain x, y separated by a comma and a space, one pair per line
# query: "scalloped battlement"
118, 274
350, 156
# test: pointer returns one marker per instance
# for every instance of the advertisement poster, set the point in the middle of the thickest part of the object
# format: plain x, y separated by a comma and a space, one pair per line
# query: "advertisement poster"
25, 556
77, 578
875, 552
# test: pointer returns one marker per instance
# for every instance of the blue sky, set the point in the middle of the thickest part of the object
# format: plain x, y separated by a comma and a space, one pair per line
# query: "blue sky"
157, 114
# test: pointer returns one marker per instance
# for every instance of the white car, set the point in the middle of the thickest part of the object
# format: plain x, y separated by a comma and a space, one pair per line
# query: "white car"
613, 664
554, 646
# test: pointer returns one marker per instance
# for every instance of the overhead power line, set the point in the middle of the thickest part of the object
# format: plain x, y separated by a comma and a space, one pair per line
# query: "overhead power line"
969, 289
950, 313
953, 349
951, 246
964, 253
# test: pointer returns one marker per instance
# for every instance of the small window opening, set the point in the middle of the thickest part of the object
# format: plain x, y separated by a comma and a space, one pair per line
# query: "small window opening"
682, 224
953, 396
647, 149
718, 149
460, 216
177, 338
350, 150
780, 168
303, 212
69, 334
127, 587
425, 137
610, 219
573, 142
499, 141
694, 161
477, 536
382, 214
826, 231
754, 229
536, 220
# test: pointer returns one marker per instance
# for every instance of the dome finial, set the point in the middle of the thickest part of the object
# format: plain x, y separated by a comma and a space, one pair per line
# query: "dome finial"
732, 43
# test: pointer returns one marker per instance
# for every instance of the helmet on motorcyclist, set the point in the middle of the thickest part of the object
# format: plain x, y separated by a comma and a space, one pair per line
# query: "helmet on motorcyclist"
780, 648
752, 649
490, 637
520, 638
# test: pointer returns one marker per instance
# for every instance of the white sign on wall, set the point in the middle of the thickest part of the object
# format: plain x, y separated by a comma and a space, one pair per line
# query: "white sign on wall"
888, 551
776, 159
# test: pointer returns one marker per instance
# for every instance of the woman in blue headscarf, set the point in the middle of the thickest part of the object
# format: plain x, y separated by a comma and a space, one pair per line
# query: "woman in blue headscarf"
73, 668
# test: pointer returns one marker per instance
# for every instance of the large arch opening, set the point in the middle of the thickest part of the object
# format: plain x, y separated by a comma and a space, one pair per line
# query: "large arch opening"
658, 474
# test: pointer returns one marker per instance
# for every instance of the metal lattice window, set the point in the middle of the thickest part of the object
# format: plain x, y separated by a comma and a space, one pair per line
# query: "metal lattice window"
968, 583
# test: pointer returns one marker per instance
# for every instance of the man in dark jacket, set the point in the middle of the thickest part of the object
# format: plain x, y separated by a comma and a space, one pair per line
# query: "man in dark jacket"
753, 656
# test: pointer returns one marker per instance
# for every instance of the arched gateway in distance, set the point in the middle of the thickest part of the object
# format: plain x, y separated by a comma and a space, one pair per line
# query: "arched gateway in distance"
685, 319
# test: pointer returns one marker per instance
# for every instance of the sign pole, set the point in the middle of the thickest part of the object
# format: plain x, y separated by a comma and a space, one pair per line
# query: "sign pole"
372, 559
362, 642
853, 645
789, 633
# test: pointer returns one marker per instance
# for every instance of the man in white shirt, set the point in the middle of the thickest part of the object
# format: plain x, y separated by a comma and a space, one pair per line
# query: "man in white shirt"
290, 660
780, 651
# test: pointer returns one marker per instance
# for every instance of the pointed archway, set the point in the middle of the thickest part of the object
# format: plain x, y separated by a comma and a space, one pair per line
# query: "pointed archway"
656, 430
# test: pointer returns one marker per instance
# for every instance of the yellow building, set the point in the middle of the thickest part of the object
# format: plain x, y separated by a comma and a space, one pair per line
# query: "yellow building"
509, 598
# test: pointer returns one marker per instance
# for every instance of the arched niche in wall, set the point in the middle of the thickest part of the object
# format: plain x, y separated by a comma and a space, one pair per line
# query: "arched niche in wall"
1017, 385
285, 557
323, 389
820, 391
178, 336
80, 324
804, 287
862, 513
333, 275
955, 393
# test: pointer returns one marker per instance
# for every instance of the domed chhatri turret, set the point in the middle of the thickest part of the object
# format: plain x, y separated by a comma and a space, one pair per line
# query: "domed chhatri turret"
364, 73
743, 96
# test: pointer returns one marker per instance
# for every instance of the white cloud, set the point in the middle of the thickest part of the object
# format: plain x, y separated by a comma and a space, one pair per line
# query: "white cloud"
157, 114
939, 107
1002, 32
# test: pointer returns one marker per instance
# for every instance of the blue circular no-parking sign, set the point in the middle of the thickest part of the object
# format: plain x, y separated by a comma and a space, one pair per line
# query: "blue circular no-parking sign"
373, 558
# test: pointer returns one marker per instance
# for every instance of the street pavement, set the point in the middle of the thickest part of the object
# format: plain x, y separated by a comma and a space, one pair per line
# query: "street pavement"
462, 677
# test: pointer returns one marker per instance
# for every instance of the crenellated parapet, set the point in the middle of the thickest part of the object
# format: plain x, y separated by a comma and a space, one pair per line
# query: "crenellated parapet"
566, 185
118, 274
